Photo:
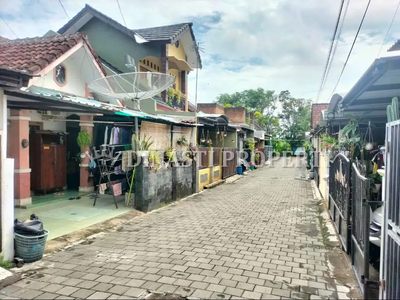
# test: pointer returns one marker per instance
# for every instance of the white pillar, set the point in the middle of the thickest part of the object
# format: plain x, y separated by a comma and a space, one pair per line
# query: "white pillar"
7, 208
7, 186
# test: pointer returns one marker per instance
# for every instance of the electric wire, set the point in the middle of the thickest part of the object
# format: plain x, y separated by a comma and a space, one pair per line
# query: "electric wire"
330, 49
64, 9
8, 26
390, 27
352, 46
337, 39
120, 10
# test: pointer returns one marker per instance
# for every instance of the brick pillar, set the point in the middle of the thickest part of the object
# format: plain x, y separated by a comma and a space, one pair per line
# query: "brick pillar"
164, 68
18, 130
86, 185
184, 88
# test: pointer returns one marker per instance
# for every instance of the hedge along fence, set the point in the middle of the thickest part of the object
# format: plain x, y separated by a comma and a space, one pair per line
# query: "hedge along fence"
155, 188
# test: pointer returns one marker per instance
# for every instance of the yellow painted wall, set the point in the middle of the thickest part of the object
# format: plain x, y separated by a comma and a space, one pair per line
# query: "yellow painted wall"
219, 169
202, 173
179, 52
177, 75
150, 63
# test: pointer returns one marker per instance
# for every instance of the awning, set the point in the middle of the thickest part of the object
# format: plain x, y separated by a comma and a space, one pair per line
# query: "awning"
179, 64
374, 90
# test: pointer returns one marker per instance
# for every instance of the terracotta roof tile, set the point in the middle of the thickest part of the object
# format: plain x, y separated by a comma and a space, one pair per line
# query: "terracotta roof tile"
34, 54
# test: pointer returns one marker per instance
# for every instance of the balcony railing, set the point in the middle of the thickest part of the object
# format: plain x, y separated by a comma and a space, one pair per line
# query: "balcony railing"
176, 99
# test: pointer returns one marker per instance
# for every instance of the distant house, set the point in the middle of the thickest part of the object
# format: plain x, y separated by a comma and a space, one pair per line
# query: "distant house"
166, 49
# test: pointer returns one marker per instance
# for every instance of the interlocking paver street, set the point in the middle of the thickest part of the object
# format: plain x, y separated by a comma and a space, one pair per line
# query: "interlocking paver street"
259, 237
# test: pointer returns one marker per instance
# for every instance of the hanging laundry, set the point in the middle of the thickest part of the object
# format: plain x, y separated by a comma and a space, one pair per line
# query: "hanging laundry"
125, 136
112, 136
116, 136
106, 135
117, 188
102, 188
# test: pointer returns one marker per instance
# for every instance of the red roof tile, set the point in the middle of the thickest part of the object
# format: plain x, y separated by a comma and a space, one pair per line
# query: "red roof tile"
35, 54
316, 115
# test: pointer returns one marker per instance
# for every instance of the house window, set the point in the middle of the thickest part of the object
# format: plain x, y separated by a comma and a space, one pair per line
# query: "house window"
60, 75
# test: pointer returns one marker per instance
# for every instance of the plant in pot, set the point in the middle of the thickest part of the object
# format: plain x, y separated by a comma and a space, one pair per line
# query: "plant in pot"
169, 155
83, 141
328, 141
376, 182
257, 157
154, 160
143, 145
171, 95
182, 141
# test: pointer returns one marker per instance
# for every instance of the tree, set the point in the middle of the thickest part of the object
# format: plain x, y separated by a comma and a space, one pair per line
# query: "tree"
295, 118
253, 100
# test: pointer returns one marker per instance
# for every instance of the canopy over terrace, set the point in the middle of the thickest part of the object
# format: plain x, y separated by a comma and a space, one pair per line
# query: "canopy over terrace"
374, 91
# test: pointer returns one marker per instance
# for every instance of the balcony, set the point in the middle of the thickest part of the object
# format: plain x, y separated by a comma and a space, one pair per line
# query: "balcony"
176, 99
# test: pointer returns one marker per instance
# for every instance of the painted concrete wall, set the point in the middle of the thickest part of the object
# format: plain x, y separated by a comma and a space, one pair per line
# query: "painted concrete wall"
75, 84
179, 52
156, 188
111, 44
49, 125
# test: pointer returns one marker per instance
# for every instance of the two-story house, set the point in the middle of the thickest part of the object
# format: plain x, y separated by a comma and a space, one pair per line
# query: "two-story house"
166, 49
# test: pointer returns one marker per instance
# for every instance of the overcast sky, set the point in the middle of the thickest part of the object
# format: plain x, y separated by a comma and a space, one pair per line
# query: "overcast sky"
276, 45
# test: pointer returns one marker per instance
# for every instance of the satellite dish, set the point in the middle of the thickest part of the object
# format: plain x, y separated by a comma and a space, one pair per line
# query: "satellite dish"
132, 86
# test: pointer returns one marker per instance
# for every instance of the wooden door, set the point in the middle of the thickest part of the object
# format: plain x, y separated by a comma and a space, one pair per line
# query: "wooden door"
60, 166
48, 164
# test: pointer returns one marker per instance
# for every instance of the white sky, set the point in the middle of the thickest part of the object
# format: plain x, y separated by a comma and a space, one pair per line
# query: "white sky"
277, 45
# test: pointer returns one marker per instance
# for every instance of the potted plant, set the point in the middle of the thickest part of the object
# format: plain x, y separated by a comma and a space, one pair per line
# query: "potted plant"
376, 182
83, 141
328, 141
154, 160
182, 141
143, 145
169, 155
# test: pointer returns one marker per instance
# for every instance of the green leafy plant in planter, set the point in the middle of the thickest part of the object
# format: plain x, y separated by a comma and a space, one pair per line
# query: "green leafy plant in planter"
182, 141
328, 141
376, 181
171, 95
257, 157
170, 154
178, 96
154, 160
83, 139
143, 144
250, 144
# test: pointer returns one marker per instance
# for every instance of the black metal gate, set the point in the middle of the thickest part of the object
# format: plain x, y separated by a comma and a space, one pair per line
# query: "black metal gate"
390, 268
339, 197
360, 216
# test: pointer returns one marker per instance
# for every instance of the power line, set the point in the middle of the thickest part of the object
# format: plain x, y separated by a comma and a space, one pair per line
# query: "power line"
330, 50
352, 46
8, 26
390, 26
64, 9
120, 10
337, 39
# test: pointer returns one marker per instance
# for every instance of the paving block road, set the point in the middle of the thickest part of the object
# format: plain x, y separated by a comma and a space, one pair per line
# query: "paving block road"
258, 238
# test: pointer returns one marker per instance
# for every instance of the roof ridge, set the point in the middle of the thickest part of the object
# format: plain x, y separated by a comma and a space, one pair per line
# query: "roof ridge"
37, 39
163, 26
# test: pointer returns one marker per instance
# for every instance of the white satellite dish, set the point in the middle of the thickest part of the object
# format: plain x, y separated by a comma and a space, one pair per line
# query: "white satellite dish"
132, 86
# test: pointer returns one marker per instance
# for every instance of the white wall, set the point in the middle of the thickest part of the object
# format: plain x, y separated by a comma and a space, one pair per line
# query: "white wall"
80, 70
48, 125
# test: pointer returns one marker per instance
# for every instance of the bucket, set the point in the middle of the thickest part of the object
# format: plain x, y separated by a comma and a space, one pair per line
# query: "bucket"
30, 248
239, 170
251, 167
